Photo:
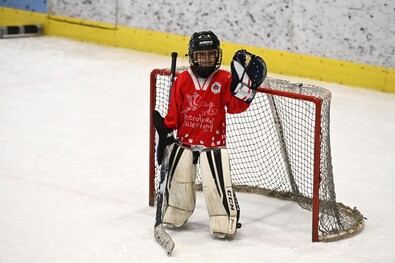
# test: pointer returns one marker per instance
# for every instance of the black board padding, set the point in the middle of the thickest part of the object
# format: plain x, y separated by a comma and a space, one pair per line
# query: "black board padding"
23, 30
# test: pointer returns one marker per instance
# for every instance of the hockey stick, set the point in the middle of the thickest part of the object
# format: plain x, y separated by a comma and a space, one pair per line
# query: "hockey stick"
172, 70
161, 236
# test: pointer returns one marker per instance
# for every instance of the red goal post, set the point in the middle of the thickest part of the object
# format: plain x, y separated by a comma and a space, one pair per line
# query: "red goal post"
279, 147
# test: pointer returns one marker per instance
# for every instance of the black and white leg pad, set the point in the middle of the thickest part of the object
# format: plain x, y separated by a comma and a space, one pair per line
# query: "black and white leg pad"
180, 189
220, 198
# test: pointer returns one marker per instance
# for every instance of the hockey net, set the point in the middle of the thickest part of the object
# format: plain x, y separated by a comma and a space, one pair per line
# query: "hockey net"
279, 147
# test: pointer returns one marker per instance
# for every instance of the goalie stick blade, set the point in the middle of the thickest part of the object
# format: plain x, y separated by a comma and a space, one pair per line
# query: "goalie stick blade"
164, 239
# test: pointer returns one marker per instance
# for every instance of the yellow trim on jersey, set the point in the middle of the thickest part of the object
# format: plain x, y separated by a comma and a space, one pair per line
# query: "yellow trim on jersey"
282, 62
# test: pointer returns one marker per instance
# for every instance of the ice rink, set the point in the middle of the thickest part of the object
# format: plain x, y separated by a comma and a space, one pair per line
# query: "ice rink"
74, 167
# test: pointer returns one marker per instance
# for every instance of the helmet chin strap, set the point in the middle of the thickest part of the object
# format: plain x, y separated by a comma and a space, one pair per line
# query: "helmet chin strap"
203, 72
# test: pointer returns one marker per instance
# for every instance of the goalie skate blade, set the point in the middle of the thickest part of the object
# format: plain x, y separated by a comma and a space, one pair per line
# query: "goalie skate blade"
220, 235
164, 239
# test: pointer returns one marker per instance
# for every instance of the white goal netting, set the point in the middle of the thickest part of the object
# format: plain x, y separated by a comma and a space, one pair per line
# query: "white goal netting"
279, 147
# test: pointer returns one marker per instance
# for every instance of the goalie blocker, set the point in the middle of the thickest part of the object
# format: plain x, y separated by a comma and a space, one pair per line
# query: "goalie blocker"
248, 73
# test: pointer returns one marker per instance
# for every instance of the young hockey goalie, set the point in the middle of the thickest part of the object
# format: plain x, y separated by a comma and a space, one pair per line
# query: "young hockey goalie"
200, 98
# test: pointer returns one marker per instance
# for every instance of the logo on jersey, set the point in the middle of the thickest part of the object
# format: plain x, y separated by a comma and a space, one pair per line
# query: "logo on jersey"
195, 102
216, 87
199, 114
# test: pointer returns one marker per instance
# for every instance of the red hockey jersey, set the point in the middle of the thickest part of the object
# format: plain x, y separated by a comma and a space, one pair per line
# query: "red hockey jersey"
198, 106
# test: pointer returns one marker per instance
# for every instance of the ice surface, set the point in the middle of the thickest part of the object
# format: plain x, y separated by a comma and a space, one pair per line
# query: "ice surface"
74, 167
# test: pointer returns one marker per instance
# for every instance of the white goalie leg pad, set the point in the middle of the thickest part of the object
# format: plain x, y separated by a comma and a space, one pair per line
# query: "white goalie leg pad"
218, 192
180, 189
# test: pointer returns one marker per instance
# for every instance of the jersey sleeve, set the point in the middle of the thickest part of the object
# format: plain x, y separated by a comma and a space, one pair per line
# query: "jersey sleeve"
173, 114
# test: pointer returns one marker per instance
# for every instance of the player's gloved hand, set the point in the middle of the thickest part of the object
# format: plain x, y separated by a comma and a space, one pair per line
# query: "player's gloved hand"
248, 73
165, 135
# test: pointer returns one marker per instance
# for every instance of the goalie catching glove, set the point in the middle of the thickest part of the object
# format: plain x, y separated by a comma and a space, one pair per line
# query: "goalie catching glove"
165, 136
248, 73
